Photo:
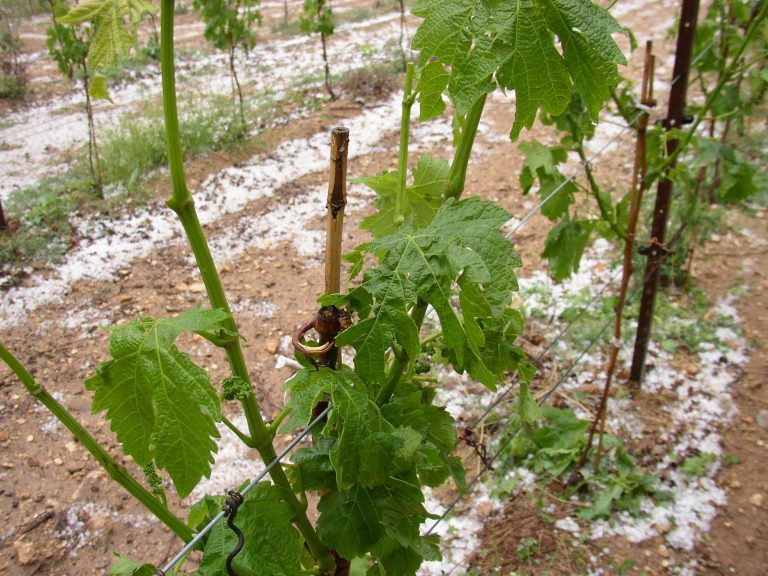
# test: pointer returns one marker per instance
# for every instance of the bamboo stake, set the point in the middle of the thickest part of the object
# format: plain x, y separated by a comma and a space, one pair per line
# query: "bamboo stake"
337, 200
328, 320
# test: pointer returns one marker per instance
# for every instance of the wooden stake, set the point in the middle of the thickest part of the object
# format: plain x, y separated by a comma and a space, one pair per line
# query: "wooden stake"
328, 322
337, 201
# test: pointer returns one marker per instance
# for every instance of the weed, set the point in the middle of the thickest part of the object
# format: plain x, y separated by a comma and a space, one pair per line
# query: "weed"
22, 8
372, 79
282, 28
527, 548
551, 448
13, 73
355, 14
137, 147
42, 214
129, 154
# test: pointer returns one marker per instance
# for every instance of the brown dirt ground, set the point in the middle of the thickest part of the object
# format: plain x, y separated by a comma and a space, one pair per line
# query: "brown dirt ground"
47, 480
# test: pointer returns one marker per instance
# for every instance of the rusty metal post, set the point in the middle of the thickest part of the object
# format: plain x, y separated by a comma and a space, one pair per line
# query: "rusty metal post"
677, 98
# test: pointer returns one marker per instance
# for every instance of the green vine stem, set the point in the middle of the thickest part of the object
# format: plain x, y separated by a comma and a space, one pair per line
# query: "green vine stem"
400, 364
594, 189
405, 128
117, 472
712, 96
182, 204
458, 173
457, 179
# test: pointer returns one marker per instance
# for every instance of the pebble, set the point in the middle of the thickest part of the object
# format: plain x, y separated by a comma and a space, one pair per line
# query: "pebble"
197, 287
662, 551
96, 523
58, 461
25, 552
272, 346
762, 419
30, 438
756, 500
735, 484
750, 540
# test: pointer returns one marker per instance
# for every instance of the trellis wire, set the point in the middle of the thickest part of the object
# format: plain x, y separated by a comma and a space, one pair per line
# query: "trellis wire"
487, 466
489, 462
216, 519
549, 347
203, 532
579, 170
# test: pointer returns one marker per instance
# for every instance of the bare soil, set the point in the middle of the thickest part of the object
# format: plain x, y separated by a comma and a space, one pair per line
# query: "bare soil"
64, 516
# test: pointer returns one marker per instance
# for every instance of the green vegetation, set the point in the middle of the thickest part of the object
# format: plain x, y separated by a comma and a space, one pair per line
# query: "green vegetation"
551, 449
13, 73
228, 26
20, 8
317, 18
385, 439
381, 439
129, 155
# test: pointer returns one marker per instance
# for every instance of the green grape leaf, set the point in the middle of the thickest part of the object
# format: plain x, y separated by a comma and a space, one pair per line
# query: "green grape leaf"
372, 336
737, 181
358, 519
316, 17
350, 520
125, 566
526, 406
422, 198
366, 447
98, 88
406, 560
565, 246
500, 353
591, 55
306, 389
313, 469
468, 47
160, 404
433, 423
530, 64
541, 163
115, 30
273, 546
432, 84
463, 238
226, 27
203, 511
454, 57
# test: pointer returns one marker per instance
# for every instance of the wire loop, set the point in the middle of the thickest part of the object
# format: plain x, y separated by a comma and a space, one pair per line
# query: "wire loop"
230, 511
